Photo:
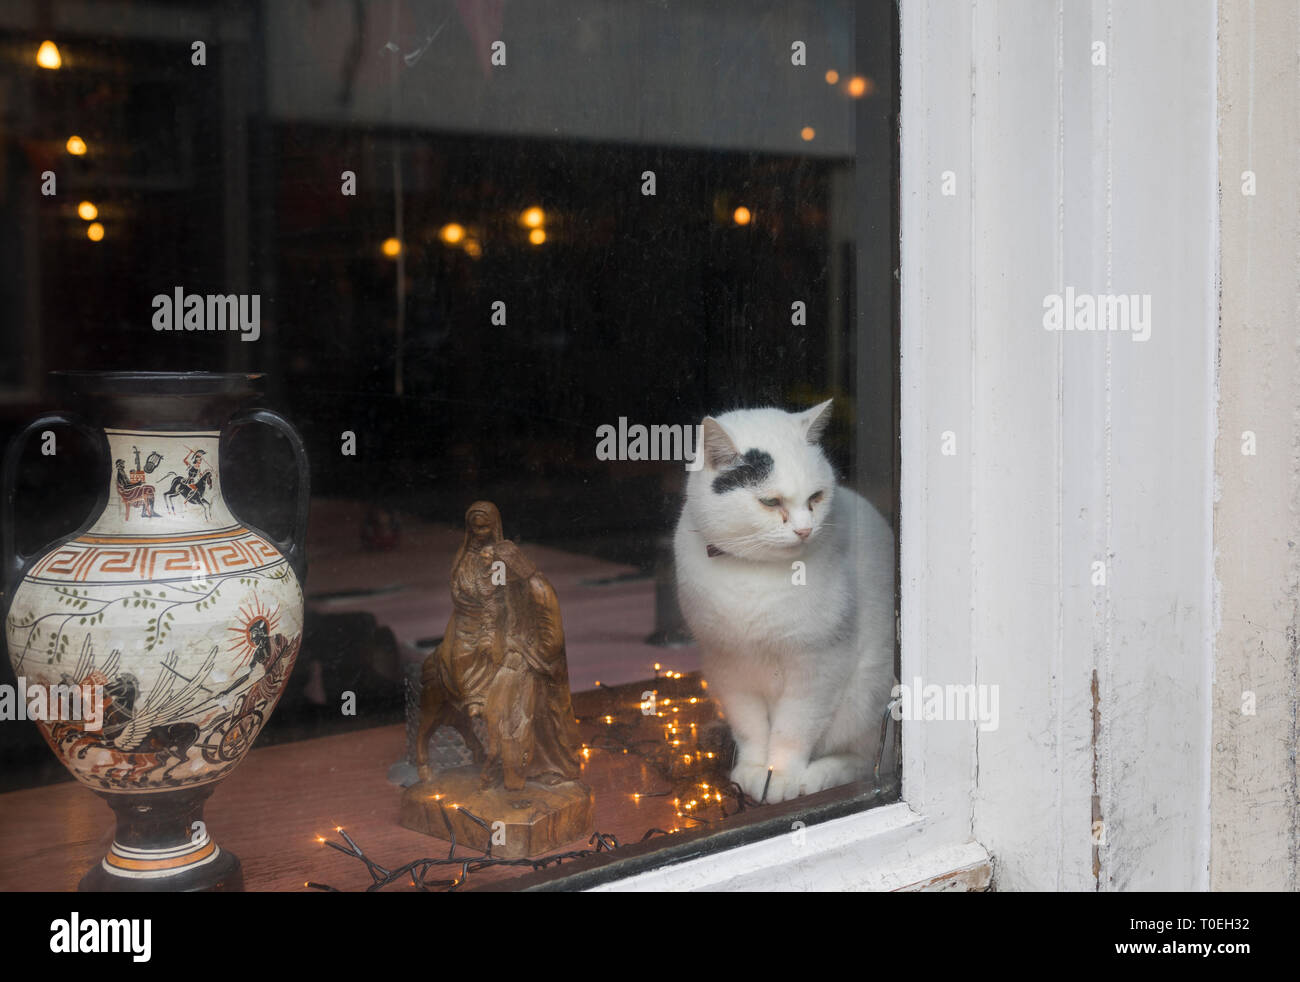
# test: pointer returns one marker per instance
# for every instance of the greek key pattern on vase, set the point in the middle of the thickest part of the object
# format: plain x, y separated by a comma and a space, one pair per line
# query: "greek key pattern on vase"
160, 559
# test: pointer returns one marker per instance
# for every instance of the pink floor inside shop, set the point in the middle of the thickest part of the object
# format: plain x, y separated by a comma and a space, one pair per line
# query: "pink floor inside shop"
606, 619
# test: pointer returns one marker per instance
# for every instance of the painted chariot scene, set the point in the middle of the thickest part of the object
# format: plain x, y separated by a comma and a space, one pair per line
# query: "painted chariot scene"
186, 727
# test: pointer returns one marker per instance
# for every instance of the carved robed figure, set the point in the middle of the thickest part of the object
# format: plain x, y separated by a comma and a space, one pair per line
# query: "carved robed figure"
502, 658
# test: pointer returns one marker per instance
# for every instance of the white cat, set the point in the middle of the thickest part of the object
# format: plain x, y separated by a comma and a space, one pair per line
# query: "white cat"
800, 656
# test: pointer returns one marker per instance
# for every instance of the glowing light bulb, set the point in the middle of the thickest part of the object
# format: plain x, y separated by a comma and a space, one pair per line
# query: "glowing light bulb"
76, 145
87, 211
537, 236
392, 247
740, 216
95, 232
807, 134
47, 55
832, 76
859, 86
451, 233
533, 217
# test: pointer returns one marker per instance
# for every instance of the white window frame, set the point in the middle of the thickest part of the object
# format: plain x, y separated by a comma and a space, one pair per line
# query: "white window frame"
1071, 449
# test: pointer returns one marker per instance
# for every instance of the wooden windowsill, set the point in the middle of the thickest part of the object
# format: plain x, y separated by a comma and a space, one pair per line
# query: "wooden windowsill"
272, 808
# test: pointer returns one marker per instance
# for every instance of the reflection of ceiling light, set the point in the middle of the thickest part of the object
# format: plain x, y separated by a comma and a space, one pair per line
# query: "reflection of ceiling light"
807, 133
451, 233
858, 86
76, 146
47, 55
533, 217
473, 249
537, 236
392, 247
832, 77
87, 211
94, 231
742, 215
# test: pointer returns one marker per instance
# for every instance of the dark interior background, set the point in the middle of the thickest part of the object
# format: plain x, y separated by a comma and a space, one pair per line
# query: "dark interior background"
226, 178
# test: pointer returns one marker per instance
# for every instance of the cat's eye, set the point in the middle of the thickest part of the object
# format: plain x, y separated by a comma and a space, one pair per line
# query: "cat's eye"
770, 502
816, 498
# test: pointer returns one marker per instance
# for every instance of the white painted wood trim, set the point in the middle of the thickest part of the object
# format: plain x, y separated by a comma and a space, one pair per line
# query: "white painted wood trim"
1087, 447
1255, 803
887, 848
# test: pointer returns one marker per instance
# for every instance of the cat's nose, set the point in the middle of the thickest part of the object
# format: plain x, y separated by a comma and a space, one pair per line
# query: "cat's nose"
803, 533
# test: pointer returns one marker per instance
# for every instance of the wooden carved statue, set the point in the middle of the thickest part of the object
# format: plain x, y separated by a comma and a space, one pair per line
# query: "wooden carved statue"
502, 659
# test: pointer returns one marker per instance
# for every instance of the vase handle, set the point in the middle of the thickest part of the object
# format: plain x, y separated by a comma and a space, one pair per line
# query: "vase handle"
294, 548
14, 561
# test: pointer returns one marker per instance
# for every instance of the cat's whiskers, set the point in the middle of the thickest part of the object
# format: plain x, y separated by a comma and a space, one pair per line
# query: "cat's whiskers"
763, 545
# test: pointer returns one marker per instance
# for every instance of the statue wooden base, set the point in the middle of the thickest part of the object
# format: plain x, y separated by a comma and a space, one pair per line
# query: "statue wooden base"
537, 820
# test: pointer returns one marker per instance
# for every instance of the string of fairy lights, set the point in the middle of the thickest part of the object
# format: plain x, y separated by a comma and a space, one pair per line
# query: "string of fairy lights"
692, 767
697, 776
419, 869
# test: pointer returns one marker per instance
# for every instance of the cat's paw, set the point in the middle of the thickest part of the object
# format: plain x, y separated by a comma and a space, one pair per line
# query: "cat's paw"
788, 783
751, 778
831, 772
783, 784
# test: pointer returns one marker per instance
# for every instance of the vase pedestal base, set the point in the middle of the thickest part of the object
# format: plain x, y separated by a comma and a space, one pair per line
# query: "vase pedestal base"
531, 822
162, 845
224, 874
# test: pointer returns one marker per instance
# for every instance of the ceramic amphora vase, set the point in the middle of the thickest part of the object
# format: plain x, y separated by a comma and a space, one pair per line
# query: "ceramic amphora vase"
174, 622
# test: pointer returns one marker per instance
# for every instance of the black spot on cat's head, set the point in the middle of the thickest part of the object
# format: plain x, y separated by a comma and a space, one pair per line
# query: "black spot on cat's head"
754, 468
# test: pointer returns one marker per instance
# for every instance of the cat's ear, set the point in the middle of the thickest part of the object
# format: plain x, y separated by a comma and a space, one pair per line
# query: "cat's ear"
719, 449
814, 421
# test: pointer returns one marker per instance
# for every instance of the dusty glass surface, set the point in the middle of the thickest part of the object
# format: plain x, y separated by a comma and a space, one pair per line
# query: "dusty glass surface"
463, 237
